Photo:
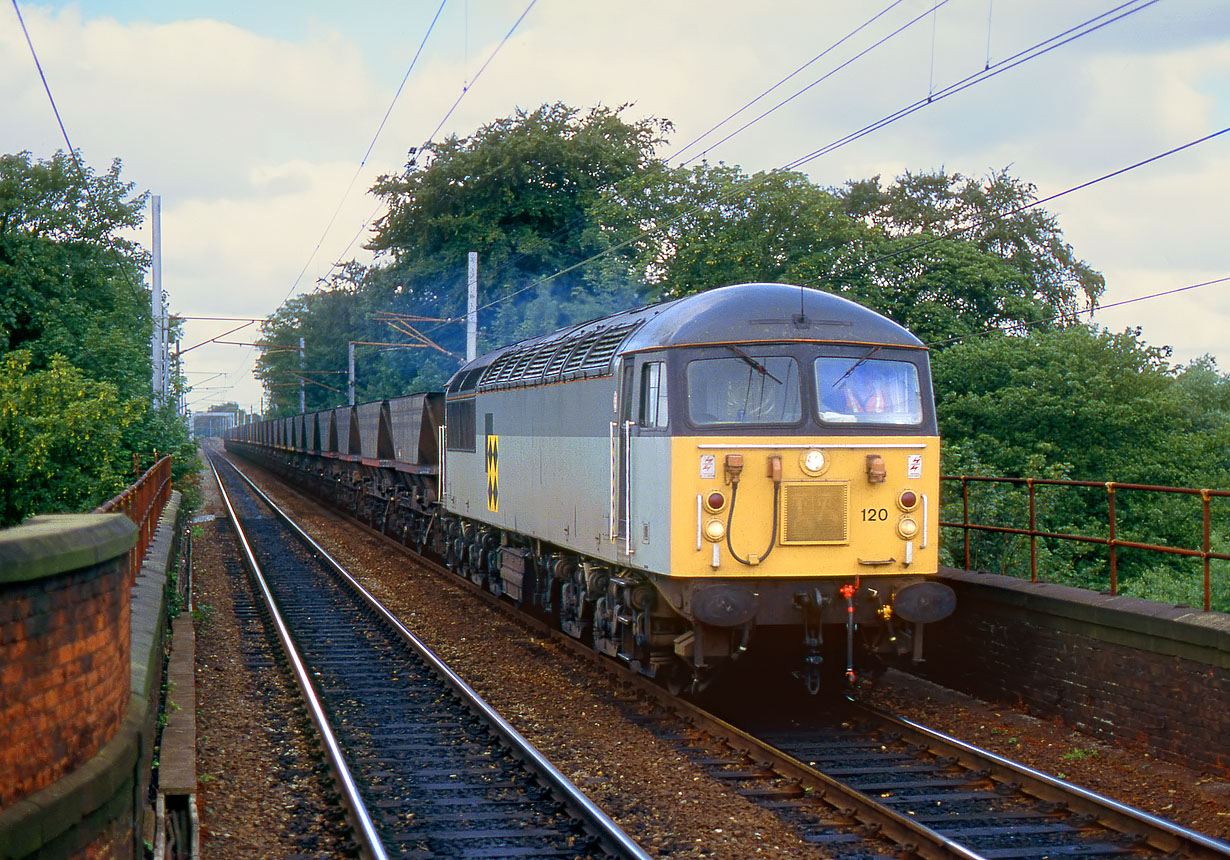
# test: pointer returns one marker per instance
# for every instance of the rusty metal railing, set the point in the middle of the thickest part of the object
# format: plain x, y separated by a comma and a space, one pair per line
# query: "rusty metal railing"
143, 503
1112, 541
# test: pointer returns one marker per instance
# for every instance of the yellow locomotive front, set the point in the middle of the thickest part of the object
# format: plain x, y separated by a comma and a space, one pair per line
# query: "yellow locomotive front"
804, 485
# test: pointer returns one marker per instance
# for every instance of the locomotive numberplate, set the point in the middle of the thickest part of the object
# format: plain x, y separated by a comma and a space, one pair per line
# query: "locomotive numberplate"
814, 512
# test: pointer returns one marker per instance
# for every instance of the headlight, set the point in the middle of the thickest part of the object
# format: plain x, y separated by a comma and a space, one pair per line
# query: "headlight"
813, 462
715, 531
907, 528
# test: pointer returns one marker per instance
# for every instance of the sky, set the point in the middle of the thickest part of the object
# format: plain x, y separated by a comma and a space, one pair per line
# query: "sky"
252, 120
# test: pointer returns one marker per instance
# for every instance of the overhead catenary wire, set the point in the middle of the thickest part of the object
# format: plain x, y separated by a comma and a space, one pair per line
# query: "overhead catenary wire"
1033, 204
678, 153
47, 87
72, 151
363, 161
1090, 308
1039, 49
452, 109
1064, 37
819, 56
907, 25
449, 113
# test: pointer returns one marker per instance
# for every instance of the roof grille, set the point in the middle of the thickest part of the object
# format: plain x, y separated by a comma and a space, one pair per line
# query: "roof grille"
604, 348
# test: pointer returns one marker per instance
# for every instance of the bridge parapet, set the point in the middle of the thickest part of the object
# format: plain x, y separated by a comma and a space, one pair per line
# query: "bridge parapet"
1129, 671
80, 663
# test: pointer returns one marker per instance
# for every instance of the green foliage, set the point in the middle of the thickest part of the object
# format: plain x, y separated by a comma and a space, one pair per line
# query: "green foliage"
1181, 583
1088, 405
519, 192
59, 438
74, 339
1048, 283
691, 229
1098, 400
907, 251
72, 283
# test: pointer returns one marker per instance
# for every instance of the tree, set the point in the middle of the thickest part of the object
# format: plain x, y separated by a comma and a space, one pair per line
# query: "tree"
60, 435
897, 250
995, 216
519, 192
692, 229
72, 281
75, 329
1083, 404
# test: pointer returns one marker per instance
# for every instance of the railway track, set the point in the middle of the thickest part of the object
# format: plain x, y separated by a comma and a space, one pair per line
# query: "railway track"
861, 783
424, 767
930, 794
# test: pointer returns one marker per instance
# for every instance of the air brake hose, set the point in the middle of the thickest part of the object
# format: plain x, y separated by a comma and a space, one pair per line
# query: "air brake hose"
734, 494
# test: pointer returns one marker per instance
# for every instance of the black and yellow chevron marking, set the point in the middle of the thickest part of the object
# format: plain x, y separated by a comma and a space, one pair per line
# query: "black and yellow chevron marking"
493, 473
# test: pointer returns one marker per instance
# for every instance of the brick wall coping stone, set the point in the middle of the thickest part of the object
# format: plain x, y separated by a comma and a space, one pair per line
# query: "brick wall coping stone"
102, 788
1174, 630
177, 757
46, 545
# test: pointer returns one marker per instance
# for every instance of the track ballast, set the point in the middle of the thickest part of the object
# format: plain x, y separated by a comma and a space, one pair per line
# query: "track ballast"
434, 775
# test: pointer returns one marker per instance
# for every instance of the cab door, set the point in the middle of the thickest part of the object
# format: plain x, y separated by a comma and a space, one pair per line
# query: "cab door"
621, 458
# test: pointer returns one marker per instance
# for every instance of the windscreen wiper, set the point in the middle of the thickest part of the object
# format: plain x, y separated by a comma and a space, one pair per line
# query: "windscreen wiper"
753, 362
855, 365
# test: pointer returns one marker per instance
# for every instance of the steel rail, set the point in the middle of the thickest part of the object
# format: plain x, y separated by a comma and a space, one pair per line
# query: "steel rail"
350, 792
1046, 787
571, 794
918, 839
1161, 834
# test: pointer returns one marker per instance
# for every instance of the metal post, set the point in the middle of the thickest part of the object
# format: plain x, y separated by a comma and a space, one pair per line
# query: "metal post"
350, 387
472, 306
302, 388
965, 516
155, 298
1204, 496
1114, 552
1033, 532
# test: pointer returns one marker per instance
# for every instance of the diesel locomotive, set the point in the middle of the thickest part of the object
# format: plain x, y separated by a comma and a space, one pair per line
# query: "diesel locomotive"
752, 467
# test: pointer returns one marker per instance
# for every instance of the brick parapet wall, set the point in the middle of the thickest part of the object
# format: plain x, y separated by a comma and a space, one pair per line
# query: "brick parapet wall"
64, 659
1127, 671
93, 808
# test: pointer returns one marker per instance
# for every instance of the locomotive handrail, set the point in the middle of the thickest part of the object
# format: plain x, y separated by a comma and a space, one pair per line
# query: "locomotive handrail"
1111, 540
142, 503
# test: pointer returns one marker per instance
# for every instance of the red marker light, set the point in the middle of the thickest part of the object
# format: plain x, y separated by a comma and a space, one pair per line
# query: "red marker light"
715, 502
908, 500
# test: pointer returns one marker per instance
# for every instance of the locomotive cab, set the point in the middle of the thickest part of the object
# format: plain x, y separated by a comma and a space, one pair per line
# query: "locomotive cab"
799, 473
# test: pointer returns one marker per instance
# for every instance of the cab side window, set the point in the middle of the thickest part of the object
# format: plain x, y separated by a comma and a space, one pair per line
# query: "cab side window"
653, 410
